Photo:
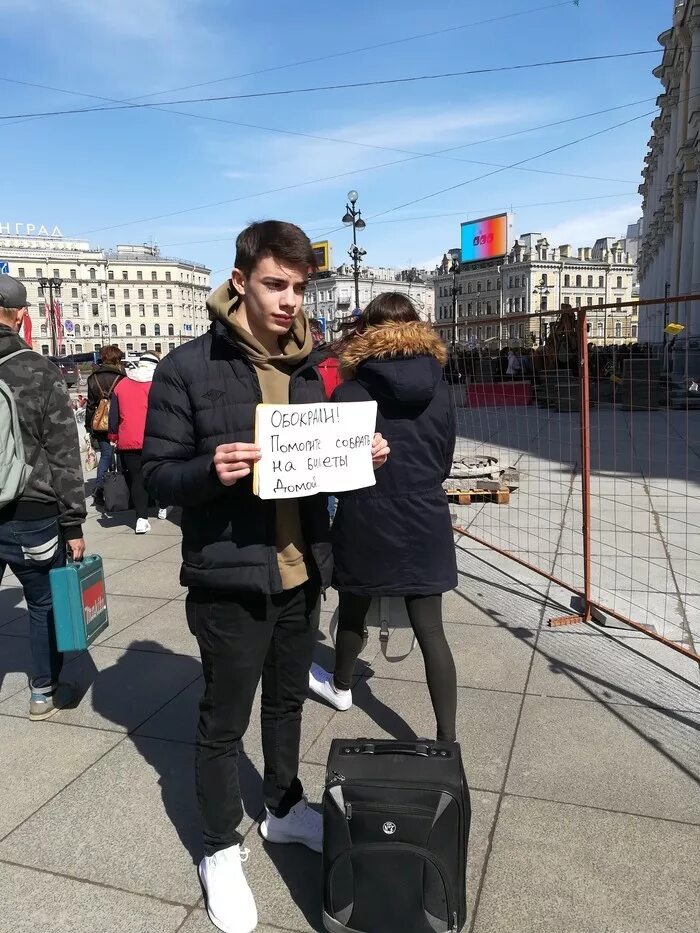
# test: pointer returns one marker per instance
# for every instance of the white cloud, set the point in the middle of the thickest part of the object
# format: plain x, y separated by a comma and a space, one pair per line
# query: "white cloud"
300, 158
585, 229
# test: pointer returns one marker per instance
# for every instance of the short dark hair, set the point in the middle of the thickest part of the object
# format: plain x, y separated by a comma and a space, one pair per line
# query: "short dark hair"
111, 355
389, 307
283, 241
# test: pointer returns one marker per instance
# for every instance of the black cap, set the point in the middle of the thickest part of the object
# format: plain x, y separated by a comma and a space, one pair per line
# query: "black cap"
12, 293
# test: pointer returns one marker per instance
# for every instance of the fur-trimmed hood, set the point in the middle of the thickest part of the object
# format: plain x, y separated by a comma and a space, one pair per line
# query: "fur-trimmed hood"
402, 362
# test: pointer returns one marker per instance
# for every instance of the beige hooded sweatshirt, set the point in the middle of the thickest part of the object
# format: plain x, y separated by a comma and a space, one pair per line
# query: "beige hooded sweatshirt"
273, 374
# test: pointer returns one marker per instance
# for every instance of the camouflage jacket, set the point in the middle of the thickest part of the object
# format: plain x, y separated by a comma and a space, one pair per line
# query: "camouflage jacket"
50, 437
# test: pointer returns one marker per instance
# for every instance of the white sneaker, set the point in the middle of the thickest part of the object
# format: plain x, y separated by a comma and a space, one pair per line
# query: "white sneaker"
230, 903
301, 824
162, 514
321, 683
142, 526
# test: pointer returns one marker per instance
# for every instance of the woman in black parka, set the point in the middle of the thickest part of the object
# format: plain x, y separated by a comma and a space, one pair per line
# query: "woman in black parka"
395, 538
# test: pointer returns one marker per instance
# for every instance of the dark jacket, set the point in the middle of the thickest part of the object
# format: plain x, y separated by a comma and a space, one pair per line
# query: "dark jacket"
50, 436
395, 538
204, 394
105, 377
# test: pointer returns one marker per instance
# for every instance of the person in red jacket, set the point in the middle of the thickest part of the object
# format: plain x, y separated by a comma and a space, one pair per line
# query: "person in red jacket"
127, 426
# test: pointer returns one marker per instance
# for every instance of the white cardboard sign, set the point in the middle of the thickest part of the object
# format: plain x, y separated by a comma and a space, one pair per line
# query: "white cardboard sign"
307, 449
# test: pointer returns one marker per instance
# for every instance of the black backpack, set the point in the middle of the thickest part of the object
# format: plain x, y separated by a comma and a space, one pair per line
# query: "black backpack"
396, 821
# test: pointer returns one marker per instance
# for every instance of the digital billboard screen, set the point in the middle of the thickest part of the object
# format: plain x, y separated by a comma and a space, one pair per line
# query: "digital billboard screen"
486, 238
322, 251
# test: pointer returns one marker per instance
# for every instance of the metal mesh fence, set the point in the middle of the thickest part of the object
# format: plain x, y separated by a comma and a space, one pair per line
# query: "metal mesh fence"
579, 455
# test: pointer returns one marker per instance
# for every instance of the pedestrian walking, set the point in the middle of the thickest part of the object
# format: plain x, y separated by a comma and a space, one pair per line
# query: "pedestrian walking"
395, 538
42, 499
127, 426
254, 568
101, 384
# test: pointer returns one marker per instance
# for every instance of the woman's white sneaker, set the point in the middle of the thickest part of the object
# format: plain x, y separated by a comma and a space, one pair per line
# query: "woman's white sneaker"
142, 526
321, 684
162, 514
301, 824
230, 903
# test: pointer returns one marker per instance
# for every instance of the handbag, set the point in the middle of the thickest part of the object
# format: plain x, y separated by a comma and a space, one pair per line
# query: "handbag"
116, 489
89, 458
79, 603
100, 420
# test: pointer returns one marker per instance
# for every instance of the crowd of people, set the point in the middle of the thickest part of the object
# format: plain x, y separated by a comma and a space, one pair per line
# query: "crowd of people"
255, 569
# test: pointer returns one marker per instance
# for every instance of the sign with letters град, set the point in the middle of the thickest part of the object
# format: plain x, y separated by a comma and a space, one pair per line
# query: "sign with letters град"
307, 449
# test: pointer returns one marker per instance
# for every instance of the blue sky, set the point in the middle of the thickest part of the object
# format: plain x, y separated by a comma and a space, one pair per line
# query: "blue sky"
90, 172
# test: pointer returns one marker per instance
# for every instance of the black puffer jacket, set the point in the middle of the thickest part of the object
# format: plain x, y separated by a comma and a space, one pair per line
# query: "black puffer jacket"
395, 538
205, 394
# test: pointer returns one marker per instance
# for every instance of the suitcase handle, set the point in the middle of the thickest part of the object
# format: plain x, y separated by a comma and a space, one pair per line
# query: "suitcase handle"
397, 748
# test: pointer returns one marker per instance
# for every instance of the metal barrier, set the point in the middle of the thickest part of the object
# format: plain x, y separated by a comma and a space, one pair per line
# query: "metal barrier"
580, 459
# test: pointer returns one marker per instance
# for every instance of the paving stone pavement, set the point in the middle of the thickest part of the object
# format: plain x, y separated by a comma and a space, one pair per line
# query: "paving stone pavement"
580, 746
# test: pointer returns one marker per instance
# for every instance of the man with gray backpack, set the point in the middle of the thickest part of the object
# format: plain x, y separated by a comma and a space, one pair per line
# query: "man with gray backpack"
42, 497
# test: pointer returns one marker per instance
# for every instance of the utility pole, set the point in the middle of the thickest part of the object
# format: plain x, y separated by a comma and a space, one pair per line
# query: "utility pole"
52, 284
454, 269
354, 216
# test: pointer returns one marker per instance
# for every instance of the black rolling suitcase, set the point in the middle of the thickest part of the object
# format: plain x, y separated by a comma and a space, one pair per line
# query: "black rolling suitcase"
395, 829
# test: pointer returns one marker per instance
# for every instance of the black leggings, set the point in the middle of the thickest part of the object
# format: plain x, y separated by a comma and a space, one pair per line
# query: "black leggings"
425, 614
132, 461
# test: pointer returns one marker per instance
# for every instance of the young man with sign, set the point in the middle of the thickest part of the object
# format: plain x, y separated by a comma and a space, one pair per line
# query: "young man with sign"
42, 498
254, 568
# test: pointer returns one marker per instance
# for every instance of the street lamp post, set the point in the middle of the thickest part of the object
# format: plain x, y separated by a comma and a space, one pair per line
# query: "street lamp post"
52, 284
542, 289
454, 269
354, 216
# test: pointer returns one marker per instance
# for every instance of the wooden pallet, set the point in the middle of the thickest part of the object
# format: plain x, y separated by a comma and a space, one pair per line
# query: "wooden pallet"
467, 496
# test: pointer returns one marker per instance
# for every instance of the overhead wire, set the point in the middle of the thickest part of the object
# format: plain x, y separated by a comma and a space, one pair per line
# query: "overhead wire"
285, 92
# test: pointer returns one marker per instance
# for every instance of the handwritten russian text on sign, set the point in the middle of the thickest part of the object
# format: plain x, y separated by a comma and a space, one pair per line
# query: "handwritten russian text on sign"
307, 449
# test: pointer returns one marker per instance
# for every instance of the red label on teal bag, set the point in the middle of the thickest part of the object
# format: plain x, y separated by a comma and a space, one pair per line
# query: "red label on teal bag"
94, 606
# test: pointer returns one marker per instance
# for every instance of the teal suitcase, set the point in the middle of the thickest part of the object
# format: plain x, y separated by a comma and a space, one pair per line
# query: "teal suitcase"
79, 603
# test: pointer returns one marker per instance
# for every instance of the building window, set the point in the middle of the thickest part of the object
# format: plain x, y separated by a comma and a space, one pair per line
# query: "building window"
170, 310
619, 281
111, 293
498, 283
168, 277
142, 330
127, 310
544, 279
590, 281
126, 293
156, 310
93, 274
139, 293
618, 328
618, 301
156, 330
78, 348
168, 293
600, 328
154, 276
171, 330
171, 346
20, 272
43, 330
469, 288
73, 274
139, 276
578, 281
567, 284
44, 349
96, 330
633, 331
589, 302
93, 293
38, 273
112, 310
110, 274
600, 301
77, 330
74, 293
128, 331
129, 347
578, 301
142, 310
601, 281
488, 307
114, 330
488, 285
144, 347
517, 305
567, 300
158, 347
125, 274
95, 309
517, 281
478, 286
154, 293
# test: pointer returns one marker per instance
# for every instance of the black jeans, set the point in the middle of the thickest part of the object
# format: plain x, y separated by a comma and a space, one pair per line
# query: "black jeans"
132, 461
425, 614
242, 637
